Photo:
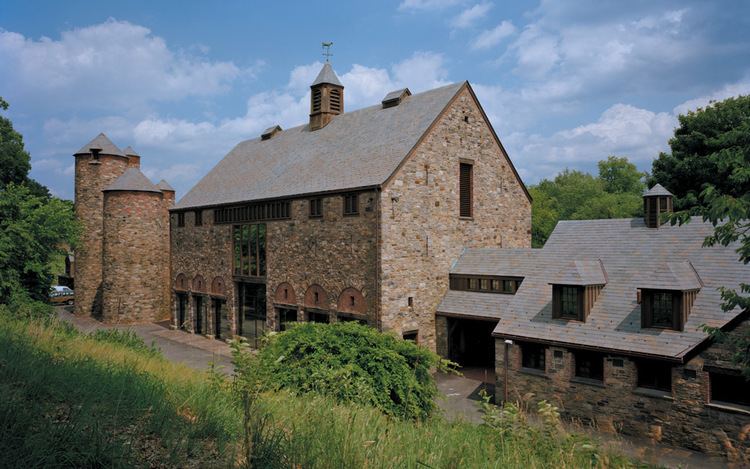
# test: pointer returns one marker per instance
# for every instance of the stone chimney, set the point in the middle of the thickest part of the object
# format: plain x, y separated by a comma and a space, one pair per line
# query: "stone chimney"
656, 201
326, 98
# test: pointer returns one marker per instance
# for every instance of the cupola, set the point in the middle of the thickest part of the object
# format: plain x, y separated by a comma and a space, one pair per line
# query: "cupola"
656, 201
326, 98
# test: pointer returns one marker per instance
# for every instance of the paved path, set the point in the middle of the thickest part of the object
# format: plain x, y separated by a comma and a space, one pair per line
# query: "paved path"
193, 350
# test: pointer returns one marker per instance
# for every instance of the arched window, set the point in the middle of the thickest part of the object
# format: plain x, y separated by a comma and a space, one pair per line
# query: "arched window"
181, 283
316, 297
199, 285
285, 294
217, 287
352, 301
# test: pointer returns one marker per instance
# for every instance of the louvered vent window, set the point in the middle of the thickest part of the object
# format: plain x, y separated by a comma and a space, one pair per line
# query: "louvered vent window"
316, 100
280, 210
335, 100
465, 190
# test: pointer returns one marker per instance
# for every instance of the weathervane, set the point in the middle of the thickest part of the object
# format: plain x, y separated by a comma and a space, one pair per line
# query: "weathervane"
327, 50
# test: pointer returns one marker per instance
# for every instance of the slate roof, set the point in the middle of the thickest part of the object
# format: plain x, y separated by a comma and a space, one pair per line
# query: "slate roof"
130, 152
327, 75
581, 272
355, 150
103, 143
657, 190
473, 305
672, 276
164, 186
630, 253
132, 180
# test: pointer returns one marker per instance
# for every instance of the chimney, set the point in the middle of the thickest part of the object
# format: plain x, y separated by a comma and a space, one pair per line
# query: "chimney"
326, 98
656, 201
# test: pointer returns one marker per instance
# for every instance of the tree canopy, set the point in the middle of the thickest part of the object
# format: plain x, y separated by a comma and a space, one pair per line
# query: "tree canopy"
574, 195
33, 225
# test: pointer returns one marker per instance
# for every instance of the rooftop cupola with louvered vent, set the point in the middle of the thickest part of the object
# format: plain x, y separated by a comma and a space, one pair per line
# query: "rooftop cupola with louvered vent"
326, 98
656, 201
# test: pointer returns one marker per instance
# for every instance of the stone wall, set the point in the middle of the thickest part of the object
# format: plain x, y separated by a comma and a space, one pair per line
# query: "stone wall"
422, 234
134, 258
91, 176
685, 417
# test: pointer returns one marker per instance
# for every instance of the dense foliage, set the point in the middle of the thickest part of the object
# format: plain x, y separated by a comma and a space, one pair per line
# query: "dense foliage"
574, 195
33, 225
352, 363
709, 173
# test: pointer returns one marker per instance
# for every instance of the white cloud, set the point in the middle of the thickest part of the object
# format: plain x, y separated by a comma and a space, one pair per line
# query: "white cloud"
427, 4
112, 65
727, 91
471, 15
492, 37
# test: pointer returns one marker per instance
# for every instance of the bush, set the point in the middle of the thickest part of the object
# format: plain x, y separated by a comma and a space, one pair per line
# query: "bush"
126, 338
351, 363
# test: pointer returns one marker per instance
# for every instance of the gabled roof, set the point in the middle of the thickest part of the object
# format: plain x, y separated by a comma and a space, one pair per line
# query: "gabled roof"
657, 190
631, 253
355, 150
581, 272
102, 143
132, 180
327, 75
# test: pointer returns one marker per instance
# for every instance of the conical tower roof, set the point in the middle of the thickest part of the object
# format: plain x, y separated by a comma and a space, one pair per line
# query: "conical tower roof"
657, 190
327, 75
164, 186
102, 143
132, 180
130, 152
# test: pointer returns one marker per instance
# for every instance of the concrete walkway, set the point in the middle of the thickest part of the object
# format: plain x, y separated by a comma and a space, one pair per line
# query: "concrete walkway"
192, 350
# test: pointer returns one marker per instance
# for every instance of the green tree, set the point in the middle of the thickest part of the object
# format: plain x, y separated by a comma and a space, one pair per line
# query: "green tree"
709, 173
618, 175
710, 147
15, 162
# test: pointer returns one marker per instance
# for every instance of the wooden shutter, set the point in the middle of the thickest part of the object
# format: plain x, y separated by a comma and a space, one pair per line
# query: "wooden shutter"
465, 190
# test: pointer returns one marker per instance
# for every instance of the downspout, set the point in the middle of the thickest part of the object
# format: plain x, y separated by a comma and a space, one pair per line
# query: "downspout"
379, 259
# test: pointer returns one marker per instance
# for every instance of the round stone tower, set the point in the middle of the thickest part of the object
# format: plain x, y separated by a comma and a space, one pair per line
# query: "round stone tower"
169, 199
97, 165
135, 261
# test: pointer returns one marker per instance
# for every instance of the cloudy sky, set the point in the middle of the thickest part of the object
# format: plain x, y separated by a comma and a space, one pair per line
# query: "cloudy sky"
564, 83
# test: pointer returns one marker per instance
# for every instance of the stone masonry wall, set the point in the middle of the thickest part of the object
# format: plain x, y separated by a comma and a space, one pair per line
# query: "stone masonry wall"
685, 418
422, 234
90, 178
335, 252
134, 259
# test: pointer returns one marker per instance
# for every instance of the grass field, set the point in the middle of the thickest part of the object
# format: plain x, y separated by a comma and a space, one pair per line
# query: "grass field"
107, 401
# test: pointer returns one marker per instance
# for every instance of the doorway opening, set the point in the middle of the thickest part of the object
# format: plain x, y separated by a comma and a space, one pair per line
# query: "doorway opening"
182, 302
252, 311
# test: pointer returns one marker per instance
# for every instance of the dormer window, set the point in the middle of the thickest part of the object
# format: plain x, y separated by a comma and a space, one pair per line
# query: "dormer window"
663, 309
567, 302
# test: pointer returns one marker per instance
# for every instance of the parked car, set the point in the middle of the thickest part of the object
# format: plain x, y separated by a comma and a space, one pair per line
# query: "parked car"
61, 295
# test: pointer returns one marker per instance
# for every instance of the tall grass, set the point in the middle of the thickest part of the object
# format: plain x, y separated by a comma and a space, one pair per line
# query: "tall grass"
71, 400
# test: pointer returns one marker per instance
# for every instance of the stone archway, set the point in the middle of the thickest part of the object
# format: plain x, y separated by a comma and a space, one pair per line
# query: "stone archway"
316, 297
351, 300
285, 294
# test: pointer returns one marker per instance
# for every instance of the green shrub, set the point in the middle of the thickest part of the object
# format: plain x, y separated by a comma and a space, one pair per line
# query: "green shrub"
126, 338
351, 363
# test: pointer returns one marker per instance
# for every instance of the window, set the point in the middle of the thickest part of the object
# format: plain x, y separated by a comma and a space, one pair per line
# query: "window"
484, 284
316, 208
198, 217
411, 336
319, 317
249, 250
316, 99
410, 301
589, 365
466, 181
180, 219
729, 388
654, 374
532, 356
335, 100
278, 210
567, 302
351, 204
660, 309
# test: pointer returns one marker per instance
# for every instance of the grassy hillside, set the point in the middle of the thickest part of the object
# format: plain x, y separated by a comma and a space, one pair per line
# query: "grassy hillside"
76, 400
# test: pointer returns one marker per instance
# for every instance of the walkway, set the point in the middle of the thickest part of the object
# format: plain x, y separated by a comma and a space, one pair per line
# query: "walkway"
192, 350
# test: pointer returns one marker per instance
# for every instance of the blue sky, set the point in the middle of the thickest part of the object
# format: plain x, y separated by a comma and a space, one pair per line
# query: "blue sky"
565, 83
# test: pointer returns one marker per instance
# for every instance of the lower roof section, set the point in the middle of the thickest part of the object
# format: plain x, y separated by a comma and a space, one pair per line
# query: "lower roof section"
473, 305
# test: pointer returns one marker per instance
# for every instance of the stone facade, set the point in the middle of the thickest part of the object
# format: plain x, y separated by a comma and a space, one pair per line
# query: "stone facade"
422, 233
685, 417
91, 177
134, 258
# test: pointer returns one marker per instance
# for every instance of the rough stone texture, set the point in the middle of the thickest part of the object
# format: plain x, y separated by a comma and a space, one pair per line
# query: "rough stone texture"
422, 234
441, 335
134, 258
685, 418
90, 178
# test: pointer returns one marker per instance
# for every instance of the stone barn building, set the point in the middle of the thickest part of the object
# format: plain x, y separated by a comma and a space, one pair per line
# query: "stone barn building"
606, 322
122, 259
354, 216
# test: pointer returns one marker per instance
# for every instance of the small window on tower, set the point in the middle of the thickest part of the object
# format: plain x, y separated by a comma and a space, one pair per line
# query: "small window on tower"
466, 183
316, 99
